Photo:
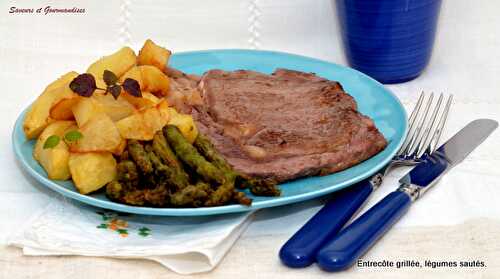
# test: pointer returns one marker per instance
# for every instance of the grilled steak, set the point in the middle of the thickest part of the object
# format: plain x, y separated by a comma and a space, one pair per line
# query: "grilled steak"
183, 93
285, 125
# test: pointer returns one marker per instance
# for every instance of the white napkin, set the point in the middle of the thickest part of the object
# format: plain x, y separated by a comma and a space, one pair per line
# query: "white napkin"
186, 245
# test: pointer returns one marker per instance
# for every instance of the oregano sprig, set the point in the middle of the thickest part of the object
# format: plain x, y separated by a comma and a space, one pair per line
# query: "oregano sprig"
70, 137
85, 85
109, 78
51, 142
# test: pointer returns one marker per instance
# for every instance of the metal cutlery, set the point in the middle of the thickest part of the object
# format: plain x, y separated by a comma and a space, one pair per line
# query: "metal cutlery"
424, 130
355, 239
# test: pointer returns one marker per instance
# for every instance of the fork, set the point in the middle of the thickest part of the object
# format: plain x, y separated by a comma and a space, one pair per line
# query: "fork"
424, 131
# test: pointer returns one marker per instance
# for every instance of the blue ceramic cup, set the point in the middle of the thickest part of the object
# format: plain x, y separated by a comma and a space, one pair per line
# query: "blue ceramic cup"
389, 40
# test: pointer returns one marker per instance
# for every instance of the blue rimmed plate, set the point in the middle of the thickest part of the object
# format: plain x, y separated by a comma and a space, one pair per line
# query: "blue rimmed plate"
373, 100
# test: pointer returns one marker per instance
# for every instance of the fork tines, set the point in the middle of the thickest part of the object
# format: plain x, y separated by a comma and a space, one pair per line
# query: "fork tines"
425, 125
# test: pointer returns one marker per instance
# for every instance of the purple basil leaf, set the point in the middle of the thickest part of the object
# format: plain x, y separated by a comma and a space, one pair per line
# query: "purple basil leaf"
109, 78
115, 90
83, 85
132, 87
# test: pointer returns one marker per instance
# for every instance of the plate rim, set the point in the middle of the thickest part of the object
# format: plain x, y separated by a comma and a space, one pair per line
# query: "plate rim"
273, 202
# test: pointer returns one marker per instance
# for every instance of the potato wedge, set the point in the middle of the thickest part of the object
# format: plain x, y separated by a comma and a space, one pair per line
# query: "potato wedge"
185, 124
133, 73
141, 126
91, 171
99, 134
54, 160
173, 113
63, 80
37, 117
85, 109
148, 100
115, 109
120, 148
164, 110
154, 80
62, 110
118, 63
57, 128
150, 79
154, 55
144, 124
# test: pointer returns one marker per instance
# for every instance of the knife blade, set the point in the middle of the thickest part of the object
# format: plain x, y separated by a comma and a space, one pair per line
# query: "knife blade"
355, 239
450, 154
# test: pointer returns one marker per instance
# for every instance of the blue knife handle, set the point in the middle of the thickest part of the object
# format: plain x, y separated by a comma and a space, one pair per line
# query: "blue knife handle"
354, 240
300, 250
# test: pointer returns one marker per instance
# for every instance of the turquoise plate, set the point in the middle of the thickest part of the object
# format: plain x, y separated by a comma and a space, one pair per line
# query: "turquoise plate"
373, 100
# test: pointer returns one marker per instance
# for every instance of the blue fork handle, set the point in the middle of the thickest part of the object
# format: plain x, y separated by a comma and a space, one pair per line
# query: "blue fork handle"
354, 240
300, 250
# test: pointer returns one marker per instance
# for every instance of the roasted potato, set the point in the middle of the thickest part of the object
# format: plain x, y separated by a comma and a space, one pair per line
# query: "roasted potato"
148, 100
144, 124
163, 108
62, 110
115, 109
106, 124
120, 148
99, 134
185, 124
154, 80
133, 73
91, 171
118, 63
55, 159
150, 79
154, 55
85, 109
37, 117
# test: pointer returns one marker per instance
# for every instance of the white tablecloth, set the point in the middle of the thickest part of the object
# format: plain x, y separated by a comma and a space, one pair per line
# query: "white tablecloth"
35, 48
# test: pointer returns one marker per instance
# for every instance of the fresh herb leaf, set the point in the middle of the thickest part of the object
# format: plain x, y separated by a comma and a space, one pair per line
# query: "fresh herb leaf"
115, 90
51, 142
144, 229
132, 87
83, 85
102, 226
73, 136
109, 78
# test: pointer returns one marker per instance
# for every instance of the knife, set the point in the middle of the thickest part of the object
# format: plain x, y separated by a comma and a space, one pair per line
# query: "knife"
355, 239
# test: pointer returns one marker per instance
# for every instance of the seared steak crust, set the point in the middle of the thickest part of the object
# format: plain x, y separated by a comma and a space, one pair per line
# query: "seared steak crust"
285, 125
